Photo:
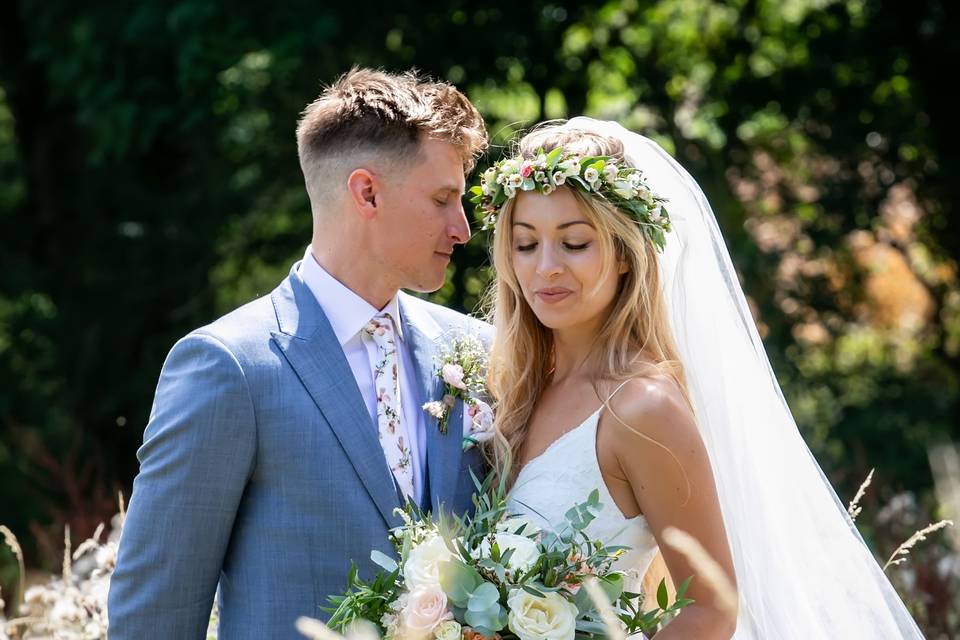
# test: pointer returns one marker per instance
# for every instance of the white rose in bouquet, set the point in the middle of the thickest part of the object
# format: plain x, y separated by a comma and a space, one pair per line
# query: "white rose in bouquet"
550, 617
449, 630
525, 551
422, 566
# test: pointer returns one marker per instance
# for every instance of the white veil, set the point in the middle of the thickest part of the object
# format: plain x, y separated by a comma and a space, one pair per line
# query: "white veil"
802, 568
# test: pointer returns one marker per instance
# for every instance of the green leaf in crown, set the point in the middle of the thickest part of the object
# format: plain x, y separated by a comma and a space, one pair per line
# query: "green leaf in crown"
623, 186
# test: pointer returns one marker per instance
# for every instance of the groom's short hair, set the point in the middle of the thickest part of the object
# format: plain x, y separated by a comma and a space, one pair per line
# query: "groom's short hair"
370, 114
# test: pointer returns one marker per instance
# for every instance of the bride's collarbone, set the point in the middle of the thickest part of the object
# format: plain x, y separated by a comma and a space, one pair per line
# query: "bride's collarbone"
549, 424
561, 408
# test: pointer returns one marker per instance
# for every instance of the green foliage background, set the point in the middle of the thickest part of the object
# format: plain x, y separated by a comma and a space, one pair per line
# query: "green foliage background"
149, 182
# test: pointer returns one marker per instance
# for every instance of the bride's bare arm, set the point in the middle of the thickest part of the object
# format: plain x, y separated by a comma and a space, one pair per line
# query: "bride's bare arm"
662, 457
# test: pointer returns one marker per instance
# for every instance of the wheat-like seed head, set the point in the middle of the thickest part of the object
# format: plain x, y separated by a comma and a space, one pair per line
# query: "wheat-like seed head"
317, 630
11, 541
854, 509
918, 536
707, 570
607, 614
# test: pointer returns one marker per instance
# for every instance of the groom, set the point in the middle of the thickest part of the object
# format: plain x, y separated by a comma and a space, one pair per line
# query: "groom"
284, 434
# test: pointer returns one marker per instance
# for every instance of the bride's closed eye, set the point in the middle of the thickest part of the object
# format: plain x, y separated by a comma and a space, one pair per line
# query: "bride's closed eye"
569, 246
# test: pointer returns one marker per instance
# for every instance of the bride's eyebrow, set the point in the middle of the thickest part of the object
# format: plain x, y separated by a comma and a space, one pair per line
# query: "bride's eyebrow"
559, 226
573, 222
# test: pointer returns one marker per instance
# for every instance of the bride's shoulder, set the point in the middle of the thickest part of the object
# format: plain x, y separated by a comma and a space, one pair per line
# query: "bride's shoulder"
655, 439
653, 406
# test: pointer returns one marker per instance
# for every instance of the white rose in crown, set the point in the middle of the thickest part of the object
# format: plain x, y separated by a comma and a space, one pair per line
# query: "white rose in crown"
426, 607
525, 551
422, 566
550, 617
610, 172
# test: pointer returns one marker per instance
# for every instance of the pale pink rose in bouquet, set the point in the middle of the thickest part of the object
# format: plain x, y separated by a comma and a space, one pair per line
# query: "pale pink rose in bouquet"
426, 608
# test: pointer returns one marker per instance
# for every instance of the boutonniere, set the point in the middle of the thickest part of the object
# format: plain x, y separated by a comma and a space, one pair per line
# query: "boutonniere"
463, 368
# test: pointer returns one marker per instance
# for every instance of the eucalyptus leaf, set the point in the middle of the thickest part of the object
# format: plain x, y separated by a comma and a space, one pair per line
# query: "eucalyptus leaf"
383, 560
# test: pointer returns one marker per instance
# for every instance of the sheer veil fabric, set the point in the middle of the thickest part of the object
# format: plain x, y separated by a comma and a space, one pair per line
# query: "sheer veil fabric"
803, 570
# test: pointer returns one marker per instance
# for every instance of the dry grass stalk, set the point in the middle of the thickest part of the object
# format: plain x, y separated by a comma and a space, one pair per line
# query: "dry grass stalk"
854, 508
918, 536
14, 545
316, 630
123, 509
15, 625
945, 463
706, 569
656, 572
67, 564
90, 543
607, 614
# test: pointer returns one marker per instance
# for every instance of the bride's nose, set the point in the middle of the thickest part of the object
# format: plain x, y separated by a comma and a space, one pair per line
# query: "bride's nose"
549, 263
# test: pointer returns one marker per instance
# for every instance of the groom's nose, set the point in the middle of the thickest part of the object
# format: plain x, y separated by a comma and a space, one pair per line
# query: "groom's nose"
459, 228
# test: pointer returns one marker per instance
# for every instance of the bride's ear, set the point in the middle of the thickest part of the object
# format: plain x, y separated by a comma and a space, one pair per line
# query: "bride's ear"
622, 267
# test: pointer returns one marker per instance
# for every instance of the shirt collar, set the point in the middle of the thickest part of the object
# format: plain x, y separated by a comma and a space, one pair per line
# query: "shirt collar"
346, 311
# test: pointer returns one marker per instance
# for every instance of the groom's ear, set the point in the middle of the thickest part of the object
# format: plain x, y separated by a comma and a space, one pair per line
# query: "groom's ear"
363, 190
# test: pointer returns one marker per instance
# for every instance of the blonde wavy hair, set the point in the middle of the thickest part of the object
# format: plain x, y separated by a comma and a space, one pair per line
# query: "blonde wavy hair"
635, 338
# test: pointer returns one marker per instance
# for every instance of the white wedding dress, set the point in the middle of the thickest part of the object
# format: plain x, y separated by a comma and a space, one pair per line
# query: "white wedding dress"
565, 474
803, 571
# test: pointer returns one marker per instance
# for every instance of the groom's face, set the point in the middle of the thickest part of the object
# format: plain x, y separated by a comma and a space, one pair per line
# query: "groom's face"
423, 218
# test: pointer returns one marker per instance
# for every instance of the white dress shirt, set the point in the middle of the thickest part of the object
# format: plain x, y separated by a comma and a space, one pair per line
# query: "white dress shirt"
348, 313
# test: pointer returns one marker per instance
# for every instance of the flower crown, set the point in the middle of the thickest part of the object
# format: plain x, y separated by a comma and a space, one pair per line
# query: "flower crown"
623, 186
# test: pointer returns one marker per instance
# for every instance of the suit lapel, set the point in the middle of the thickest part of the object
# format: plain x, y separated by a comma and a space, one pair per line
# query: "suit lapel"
312, 349
426, 342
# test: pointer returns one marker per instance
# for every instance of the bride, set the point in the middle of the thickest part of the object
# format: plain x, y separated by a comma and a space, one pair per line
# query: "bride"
626, 360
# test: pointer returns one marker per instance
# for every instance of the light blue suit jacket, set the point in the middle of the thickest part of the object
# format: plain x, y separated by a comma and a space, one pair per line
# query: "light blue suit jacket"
261, 471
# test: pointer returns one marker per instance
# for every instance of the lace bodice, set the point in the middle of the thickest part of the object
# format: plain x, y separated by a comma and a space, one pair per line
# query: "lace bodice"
564, 475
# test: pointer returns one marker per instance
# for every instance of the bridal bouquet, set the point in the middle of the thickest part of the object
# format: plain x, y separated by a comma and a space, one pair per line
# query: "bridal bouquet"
496, 575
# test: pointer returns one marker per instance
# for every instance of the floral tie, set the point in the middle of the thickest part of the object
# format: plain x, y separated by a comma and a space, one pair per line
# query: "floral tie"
386, 381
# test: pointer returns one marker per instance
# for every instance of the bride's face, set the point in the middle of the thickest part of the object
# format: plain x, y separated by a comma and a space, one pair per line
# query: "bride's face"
559, 261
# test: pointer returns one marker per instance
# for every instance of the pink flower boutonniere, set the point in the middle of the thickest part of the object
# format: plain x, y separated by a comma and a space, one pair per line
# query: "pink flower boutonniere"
463, 369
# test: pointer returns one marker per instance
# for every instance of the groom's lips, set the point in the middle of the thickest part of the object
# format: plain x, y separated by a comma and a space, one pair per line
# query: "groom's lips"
552, 294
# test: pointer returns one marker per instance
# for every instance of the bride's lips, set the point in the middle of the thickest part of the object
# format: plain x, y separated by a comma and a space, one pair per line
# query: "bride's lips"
552, 294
